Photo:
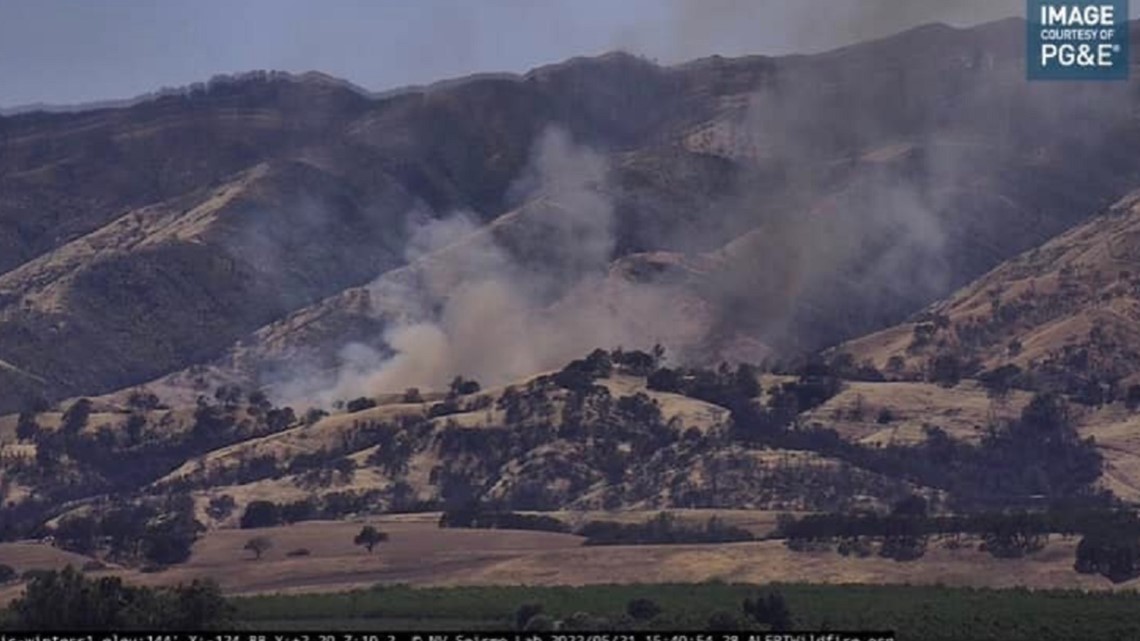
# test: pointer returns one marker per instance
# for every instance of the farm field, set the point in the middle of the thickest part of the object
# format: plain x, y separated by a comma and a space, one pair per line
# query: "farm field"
928, 613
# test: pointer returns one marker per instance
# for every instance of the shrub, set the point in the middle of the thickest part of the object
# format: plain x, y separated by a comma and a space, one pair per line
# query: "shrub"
34, 573
642, 609
525, 613
1132, 397
221, 507
724, 621
474, 517
663, 528
260, 514
359, 404
369, 537
540, 623
258, 545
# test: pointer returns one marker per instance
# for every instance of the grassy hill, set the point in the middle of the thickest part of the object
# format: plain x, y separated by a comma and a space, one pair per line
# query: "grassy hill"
1064, 314
231, 227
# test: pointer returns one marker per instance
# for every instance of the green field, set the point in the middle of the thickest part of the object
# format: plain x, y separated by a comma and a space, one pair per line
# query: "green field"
918, 613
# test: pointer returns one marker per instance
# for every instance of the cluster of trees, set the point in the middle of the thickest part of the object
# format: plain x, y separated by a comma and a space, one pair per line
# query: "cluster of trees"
731, 388
1109, 546
476, 516
903, 533
1037, 457
1089, 373
395, 443
579, 375
74, 461
66, 600
625, 444
159, 532
331, 506
663, 528
607, 435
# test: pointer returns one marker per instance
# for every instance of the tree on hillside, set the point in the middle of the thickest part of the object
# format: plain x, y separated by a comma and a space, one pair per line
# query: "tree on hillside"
169, 538
134, 429
26, 426
946, 370
462, 387
221, 507
77, 533
359, 404
664, 380
260, 514
369, 536
143, 400
258, 545
229, 396
75, 418
1131, 398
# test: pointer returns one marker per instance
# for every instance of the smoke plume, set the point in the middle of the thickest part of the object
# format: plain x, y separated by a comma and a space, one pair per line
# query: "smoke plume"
483, 301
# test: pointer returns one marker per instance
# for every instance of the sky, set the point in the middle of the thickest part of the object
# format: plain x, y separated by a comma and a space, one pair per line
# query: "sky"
73, 51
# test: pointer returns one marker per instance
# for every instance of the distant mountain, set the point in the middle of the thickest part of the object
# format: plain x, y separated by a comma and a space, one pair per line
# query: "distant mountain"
272, 227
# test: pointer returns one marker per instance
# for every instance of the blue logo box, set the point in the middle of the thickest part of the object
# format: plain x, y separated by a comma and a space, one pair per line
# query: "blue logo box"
1077, 39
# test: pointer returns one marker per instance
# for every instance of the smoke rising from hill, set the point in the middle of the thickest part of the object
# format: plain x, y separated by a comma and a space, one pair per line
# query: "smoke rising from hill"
867, 174
478, 299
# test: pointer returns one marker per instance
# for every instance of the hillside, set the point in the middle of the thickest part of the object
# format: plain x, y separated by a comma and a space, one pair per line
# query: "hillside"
266, 226
877, 302
1063, 314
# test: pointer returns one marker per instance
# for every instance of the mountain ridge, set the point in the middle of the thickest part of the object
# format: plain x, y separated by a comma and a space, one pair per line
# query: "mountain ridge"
799, 174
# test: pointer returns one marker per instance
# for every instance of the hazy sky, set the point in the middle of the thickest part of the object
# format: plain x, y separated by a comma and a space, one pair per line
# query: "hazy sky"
67, 51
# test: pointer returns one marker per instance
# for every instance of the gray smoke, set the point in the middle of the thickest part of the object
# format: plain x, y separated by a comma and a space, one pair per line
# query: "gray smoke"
536, 288
524, 295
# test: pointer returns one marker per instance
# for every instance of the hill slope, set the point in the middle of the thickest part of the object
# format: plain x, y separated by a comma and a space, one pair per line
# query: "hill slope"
1065, 313
779, 198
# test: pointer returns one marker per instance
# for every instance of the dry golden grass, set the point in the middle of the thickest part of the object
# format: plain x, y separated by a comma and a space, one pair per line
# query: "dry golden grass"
963, 411
36, 556
1084, 278
327, 433
24, 556
770, 561
302, 439
419, 553
690, 411
1117, 435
